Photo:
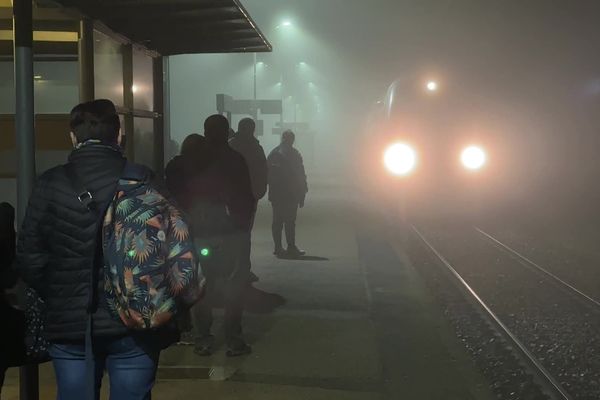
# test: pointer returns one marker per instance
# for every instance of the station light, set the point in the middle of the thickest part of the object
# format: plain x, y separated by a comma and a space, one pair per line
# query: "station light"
432, 86
473, 158
285, 24
400, 159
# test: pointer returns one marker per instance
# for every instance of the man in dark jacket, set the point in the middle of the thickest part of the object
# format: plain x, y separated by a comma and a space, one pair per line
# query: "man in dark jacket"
224, 188
57, 246
249, 147
287, 191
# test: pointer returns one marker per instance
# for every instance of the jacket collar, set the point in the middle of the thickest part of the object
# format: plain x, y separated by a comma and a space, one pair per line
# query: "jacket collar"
95, 149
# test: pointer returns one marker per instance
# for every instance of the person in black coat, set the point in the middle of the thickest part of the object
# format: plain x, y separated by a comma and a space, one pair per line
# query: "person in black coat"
249, 147
287, 191
12, 345
222, 211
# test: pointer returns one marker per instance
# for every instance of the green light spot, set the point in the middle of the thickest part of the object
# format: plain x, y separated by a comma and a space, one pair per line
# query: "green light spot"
131, 253
205, 252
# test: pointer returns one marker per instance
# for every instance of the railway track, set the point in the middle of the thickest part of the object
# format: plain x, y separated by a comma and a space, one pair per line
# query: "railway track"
555, 381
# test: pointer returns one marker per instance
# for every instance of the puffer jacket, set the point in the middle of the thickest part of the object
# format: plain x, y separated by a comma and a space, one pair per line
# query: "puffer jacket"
56, 244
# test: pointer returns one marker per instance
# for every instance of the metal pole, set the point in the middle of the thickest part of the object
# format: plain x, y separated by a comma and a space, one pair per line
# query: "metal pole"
128, 100
86, 61
254, 104
254, 77
159, 137
25, 144
281, 115
169, 151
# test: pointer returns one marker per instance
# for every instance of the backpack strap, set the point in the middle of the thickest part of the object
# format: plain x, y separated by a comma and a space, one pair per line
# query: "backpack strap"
135, 172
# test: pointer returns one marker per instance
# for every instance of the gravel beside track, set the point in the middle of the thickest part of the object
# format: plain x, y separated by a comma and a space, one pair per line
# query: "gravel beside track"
557, 328
508, 377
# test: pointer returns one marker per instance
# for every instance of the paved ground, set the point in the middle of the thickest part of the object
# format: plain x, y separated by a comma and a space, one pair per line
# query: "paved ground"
352, 321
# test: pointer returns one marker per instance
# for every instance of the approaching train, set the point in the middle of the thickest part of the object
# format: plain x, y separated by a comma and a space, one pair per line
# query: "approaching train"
427, 148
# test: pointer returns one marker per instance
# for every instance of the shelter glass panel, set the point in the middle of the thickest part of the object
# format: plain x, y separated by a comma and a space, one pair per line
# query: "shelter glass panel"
143, 139
108, 68
56, 87
143, 89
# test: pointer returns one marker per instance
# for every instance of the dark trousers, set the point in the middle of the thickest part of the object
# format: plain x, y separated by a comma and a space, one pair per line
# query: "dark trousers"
227, 277
284, 218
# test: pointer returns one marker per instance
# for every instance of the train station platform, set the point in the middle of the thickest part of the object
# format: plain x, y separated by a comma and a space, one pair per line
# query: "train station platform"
351, 321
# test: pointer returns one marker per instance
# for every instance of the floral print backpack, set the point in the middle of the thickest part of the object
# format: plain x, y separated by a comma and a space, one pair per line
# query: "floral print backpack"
151, 267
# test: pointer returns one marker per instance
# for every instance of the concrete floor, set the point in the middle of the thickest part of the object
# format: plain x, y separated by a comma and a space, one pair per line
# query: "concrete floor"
353, 326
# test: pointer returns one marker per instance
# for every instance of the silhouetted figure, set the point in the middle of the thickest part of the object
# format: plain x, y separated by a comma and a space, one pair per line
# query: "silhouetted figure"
287, 191
12, 345
222, 212
249, 147
181, 170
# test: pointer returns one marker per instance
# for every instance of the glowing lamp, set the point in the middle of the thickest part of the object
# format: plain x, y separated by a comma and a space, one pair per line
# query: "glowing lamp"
432, 86
400, 159
473, 158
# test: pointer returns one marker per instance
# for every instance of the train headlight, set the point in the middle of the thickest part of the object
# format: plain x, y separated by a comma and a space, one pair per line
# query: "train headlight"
473, 158
400, 159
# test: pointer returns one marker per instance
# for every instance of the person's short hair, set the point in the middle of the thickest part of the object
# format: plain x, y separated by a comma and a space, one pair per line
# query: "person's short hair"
247, 125
97, 119
288, 137
216, 128
192, 144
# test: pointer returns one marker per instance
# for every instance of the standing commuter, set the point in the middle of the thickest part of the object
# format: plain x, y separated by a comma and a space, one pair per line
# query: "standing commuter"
224, 207
249, 147
62, 251
287, 191
180, 171
12, 345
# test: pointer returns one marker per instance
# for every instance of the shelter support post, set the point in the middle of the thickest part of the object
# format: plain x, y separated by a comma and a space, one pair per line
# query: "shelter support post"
128, 100
86, 60
25, 144
159, 136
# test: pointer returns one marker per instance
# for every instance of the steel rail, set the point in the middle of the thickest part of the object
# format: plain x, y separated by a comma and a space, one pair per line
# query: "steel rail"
541, 269
552, 383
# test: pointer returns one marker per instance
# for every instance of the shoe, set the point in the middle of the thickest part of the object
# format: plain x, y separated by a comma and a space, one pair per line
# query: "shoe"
279, 253
204, 346
293, 251
238, 348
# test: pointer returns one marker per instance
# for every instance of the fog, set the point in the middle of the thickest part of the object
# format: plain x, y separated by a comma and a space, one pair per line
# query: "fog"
527, 75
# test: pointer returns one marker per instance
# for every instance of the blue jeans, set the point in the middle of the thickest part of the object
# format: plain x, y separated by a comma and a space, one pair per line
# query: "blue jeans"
131, 369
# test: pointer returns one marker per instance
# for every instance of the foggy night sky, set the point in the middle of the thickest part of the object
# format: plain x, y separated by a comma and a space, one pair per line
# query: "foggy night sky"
533, 64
